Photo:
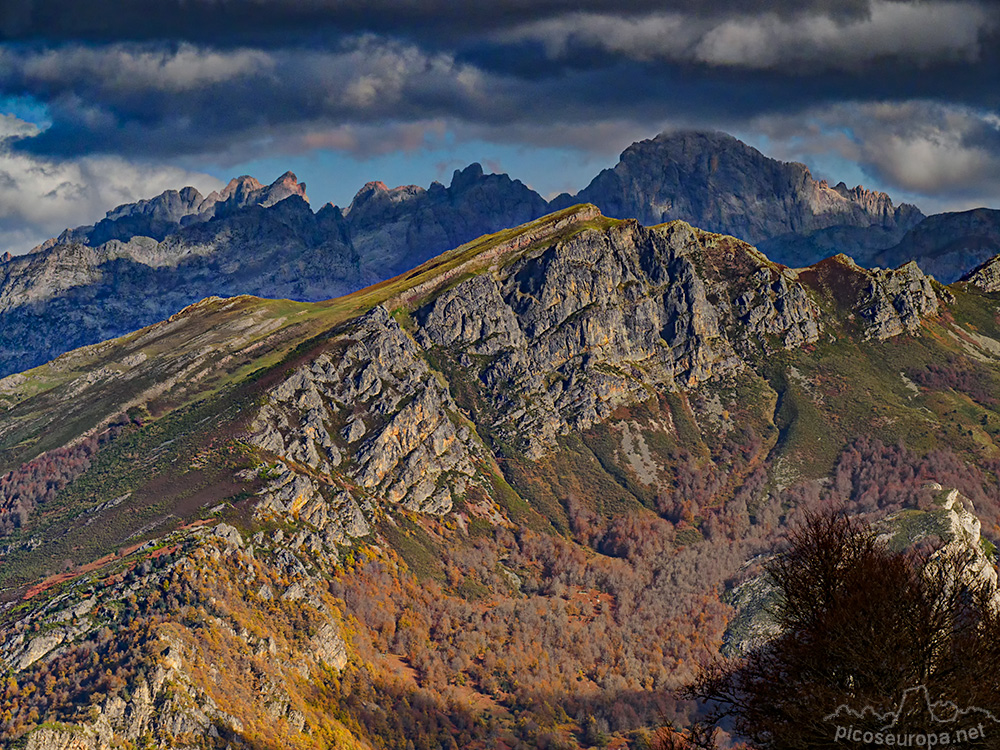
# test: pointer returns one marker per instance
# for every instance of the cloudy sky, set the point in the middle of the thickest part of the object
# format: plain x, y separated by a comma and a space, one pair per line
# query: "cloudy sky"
106, 101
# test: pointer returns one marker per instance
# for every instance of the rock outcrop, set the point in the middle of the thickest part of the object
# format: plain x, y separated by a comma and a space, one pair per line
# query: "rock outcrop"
885, 303
985, 277
897, 301
563, 335
169, 702
371, 408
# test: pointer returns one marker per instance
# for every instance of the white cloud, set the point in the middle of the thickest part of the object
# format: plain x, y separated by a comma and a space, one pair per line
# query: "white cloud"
920, 33
944, 153
15, 127
41, 197
136, 68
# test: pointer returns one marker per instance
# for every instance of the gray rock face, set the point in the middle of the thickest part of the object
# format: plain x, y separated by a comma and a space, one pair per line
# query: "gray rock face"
563, 336
985, 277
718, 183
371, 408
897, 301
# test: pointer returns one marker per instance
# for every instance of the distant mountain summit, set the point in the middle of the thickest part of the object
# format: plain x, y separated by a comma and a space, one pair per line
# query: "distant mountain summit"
393, 230
146, 260
721, 184
169, 211
947, 245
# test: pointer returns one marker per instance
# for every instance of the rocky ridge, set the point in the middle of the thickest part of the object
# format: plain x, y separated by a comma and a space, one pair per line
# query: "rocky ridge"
886, 302
93, 282
563, 335
163, 215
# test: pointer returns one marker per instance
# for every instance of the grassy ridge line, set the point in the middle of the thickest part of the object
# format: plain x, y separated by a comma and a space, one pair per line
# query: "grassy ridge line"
236, 347
199, 335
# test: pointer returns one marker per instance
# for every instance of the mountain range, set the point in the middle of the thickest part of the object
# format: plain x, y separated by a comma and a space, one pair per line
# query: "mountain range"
502, 499
145, 261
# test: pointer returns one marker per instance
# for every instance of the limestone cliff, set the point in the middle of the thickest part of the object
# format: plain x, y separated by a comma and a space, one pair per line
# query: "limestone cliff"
562, 336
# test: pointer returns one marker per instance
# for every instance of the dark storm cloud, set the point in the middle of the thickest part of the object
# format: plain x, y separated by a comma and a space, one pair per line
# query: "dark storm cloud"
148, 99
228, 81
220, 22
920, 33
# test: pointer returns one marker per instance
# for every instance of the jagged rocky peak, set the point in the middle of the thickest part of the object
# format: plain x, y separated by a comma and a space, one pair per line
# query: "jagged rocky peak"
875, 202
283, 187
170, 205
244, 185
171, 210
376, 198
564, 333
721, 184
6, 257
462, 179
247, 191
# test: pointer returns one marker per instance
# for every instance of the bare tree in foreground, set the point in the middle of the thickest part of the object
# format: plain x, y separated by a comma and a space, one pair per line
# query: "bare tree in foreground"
862, 626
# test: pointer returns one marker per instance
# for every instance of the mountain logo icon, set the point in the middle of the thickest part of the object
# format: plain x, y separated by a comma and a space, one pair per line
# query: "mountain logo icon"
916, 721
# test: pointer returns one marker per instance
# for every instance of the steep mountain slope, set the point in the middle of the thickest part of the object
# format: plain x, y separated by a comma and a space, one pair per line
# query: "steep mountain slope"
496, 499
719, 183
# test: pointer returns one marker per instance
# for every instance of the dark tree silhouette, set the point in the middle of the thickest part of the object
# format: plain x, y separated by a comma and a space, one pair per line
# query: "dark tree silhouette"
860, 626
